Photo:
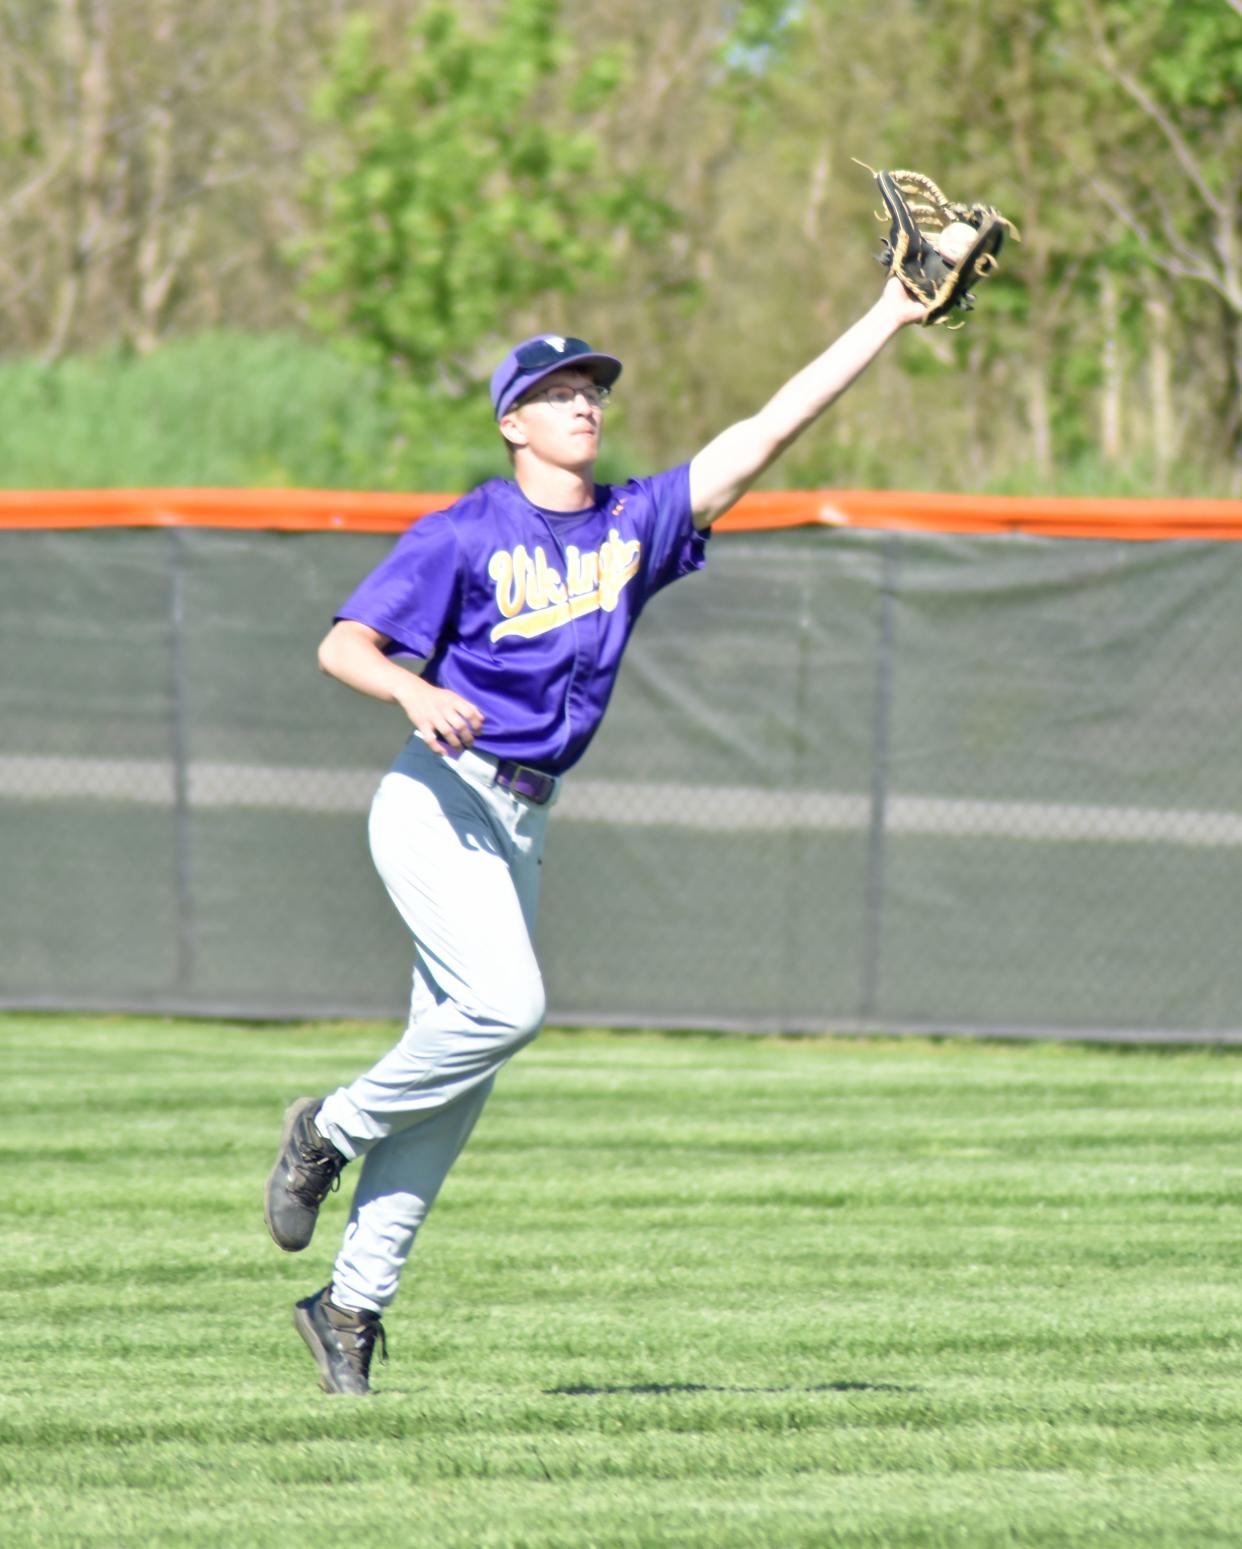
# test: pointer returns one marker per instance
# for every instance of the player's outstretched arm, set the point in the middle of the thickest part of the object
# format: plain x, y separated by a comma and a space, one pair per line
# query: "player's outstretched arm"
727, 466
352, 653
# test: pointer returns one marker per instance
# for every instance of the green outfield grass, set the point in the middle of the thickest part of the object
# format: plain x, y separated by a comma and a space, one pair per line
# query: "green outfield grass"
679, 1291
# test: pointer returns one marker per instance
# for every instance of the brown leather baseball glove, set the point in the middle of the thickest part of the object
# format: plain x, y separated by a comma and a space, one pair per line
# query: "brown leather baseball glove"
921, 220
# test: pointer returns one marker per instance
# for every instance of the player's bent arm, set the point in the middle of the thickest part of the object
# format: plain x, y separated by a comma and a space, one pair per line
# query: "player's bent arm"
352, 653
727, 466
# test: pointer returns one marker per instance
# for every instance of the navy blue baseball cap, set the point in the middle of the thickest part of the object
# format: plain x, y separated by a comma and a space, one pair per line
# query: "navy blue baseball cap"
534, 359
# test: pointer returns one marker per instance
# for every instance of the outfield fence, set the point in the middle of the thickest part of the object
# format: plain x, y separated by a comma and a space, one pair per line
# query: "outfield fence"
890, 763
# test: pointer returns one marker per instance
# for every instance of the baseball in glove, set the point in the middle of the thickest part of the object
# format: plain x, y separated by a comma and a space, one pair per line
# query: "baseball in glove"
936, 247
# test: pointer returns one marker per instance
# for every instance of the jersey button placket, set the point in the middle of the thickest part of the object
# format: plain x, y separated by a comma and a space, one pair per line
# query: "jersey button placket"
572, 692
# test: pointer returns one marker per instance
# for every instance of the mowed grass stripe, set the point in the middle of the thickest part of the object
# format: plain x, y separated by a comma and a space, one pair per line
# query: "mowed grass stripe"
679, 1290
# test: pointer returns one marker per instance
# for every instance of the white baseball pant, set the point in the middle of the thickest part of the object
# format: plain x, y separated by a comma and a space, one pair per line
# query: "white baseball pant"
460, 858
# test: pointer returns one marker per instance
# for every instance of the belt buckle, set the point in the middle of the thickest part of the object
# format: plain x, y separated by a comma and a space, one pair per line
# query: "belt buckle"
522, 780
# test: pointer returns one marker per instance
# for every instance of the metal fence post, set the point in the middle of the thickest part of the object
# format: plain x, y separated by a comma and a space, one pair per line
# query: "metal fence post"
180, 741
890, 571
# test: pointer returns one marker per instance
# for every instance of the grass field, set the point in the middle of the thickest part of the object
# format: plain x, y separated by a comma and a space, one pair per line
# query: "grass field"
679, 1291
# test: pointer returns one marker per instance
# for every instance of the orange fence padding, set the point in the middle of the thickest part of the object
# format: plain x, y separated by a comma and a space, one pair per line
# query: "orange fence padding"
303, 510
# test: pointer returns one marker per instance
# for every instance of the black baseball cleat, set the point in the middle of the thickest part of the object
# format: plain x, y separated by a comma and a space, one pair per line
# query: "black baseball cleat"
341, 1340
307, 1167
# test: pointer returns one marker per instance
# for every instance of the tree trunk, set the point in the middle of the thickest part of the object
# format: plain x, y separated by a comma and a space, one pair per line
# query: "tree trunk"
1039, 414
86, 47
1111, 394
1235, 410
1163, 430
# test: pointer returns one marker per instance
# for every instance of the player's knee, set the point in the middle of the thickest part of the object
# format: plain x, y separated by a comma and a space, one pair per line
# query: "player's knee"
521, 1014
529, 1010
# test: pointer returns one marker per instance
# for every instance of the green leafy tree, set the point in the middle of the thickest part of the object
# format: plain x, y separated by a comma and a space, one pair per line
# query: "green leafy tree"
456, 189
1169, 163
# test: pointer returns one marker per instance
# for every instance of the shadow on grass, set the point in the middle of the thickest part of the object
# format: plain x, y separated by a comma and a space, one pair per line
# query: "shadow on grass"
589, 1390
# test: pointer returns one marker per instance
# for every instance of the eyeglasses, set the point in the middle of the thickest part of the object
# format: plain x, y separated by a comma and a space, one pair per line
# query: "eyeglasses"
562, 395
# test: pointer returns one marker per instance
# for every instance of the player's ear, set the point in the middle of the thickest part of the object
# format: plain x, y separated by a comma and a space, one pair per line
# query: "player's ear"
512, 429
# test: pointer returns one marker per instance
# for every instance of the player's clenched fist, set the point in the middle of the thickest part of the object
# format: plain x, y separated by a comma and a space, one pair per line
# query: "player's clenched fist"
443, 719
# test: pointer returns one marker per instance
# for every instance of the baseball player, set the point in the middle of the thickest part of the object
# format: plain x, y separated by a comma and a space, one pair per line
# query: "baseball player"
521, 597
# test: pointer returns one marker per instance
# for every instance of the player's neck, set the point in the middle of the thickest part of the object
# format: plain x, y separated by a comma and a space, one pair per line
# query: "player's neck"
555, 488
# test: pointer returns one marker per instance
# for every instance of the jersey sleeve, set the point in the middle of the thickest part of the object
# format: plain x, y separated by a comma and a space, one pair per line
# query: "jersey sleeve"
413, 595
674, 546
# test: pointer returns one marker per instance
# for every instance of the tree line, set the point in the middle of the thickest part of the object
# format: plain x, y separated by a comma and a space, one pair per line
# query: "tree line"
419, 183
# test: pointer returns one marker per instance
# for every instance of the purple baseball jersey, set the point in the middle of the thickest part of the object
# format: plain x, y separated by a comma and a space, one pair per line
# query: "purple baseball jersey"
526, 612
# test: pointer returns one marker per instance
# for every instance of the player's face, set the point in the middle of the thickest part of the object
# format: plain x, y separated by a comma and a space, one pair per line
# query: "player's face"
566, 433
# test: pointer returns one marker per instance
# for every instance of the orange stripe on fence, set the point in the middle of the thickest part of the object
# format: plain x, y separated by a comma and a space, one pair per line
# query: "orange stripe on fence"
301, 510
279, 510
1046, 516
